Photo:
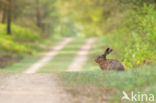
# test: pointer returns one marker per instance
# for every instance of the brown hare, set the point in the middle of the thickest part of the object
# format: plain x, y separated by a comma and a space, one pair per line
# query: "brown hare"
109, 64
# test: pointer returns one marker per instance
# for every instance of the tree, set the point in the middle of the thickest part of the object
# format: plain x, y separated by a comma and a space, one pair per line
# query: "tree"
45, 13
10, 10
38, 13
3, 10
9, 16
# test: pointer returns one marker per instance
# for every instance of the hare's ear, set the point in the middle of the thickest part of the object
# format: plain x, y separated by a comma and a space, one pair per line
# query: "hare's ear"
108, 50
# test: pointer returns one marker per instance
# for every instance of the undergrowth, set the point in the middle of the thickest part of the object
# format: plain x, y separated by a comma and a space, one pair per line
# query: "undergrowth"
134, 40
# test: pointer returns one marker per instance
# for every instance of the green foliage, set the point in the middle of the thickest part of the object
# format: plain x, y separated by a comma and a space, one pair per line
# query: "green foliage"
20, 33
16, 42
135, 39
90, 16
7, 43
129, 26
24, 34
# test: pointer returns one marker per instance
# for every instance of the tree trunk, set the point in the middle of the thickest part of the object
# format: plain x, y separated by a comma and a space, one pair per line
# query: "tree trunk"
9, 14
9, 23
38, 14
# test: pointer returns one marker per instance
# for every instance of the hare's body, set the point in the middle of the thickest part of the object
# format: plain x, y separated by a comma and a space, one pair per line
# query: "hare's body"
109, 64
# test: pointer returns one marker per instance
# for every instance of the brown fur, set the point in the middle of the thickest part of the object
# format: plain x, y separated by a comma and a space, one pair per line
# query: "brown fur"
109, 64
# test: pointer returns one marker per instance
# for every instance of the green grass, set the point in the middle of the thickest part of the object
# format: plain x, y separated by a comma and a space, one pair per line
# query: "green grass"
61, 61
20, 66
138, 80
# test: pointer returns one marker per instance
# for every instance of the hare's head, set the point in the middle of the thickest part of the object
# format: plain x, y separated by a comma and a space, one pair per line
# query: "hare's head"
103, 56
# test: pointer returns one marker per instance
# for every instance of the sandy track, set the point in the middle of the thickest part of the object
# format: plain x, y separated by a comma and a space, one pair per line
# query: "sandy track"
32, 88
42, 88
48, 56
81, 56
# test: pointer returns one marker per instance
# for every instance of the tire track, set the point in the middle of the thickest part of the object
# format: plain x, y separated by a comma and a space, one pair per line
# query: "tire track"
49, 56
82, 56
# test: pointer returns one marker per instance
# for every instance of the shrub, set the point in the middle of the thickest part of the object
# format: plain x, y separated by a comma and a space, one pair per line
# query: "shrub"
135, 39
11, 42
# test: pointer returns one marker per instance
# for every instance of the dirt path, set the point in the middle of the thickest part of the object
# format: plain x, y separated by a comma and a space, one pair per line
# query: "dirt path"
34, 68
82, 56
42, 88
35, 88
32, 88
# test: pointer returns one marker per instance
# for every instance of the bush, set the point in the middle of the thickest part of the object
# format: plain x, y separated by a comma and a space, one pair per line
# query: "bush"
20, 33
135, 39
16, 41
24, 34
8, 44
